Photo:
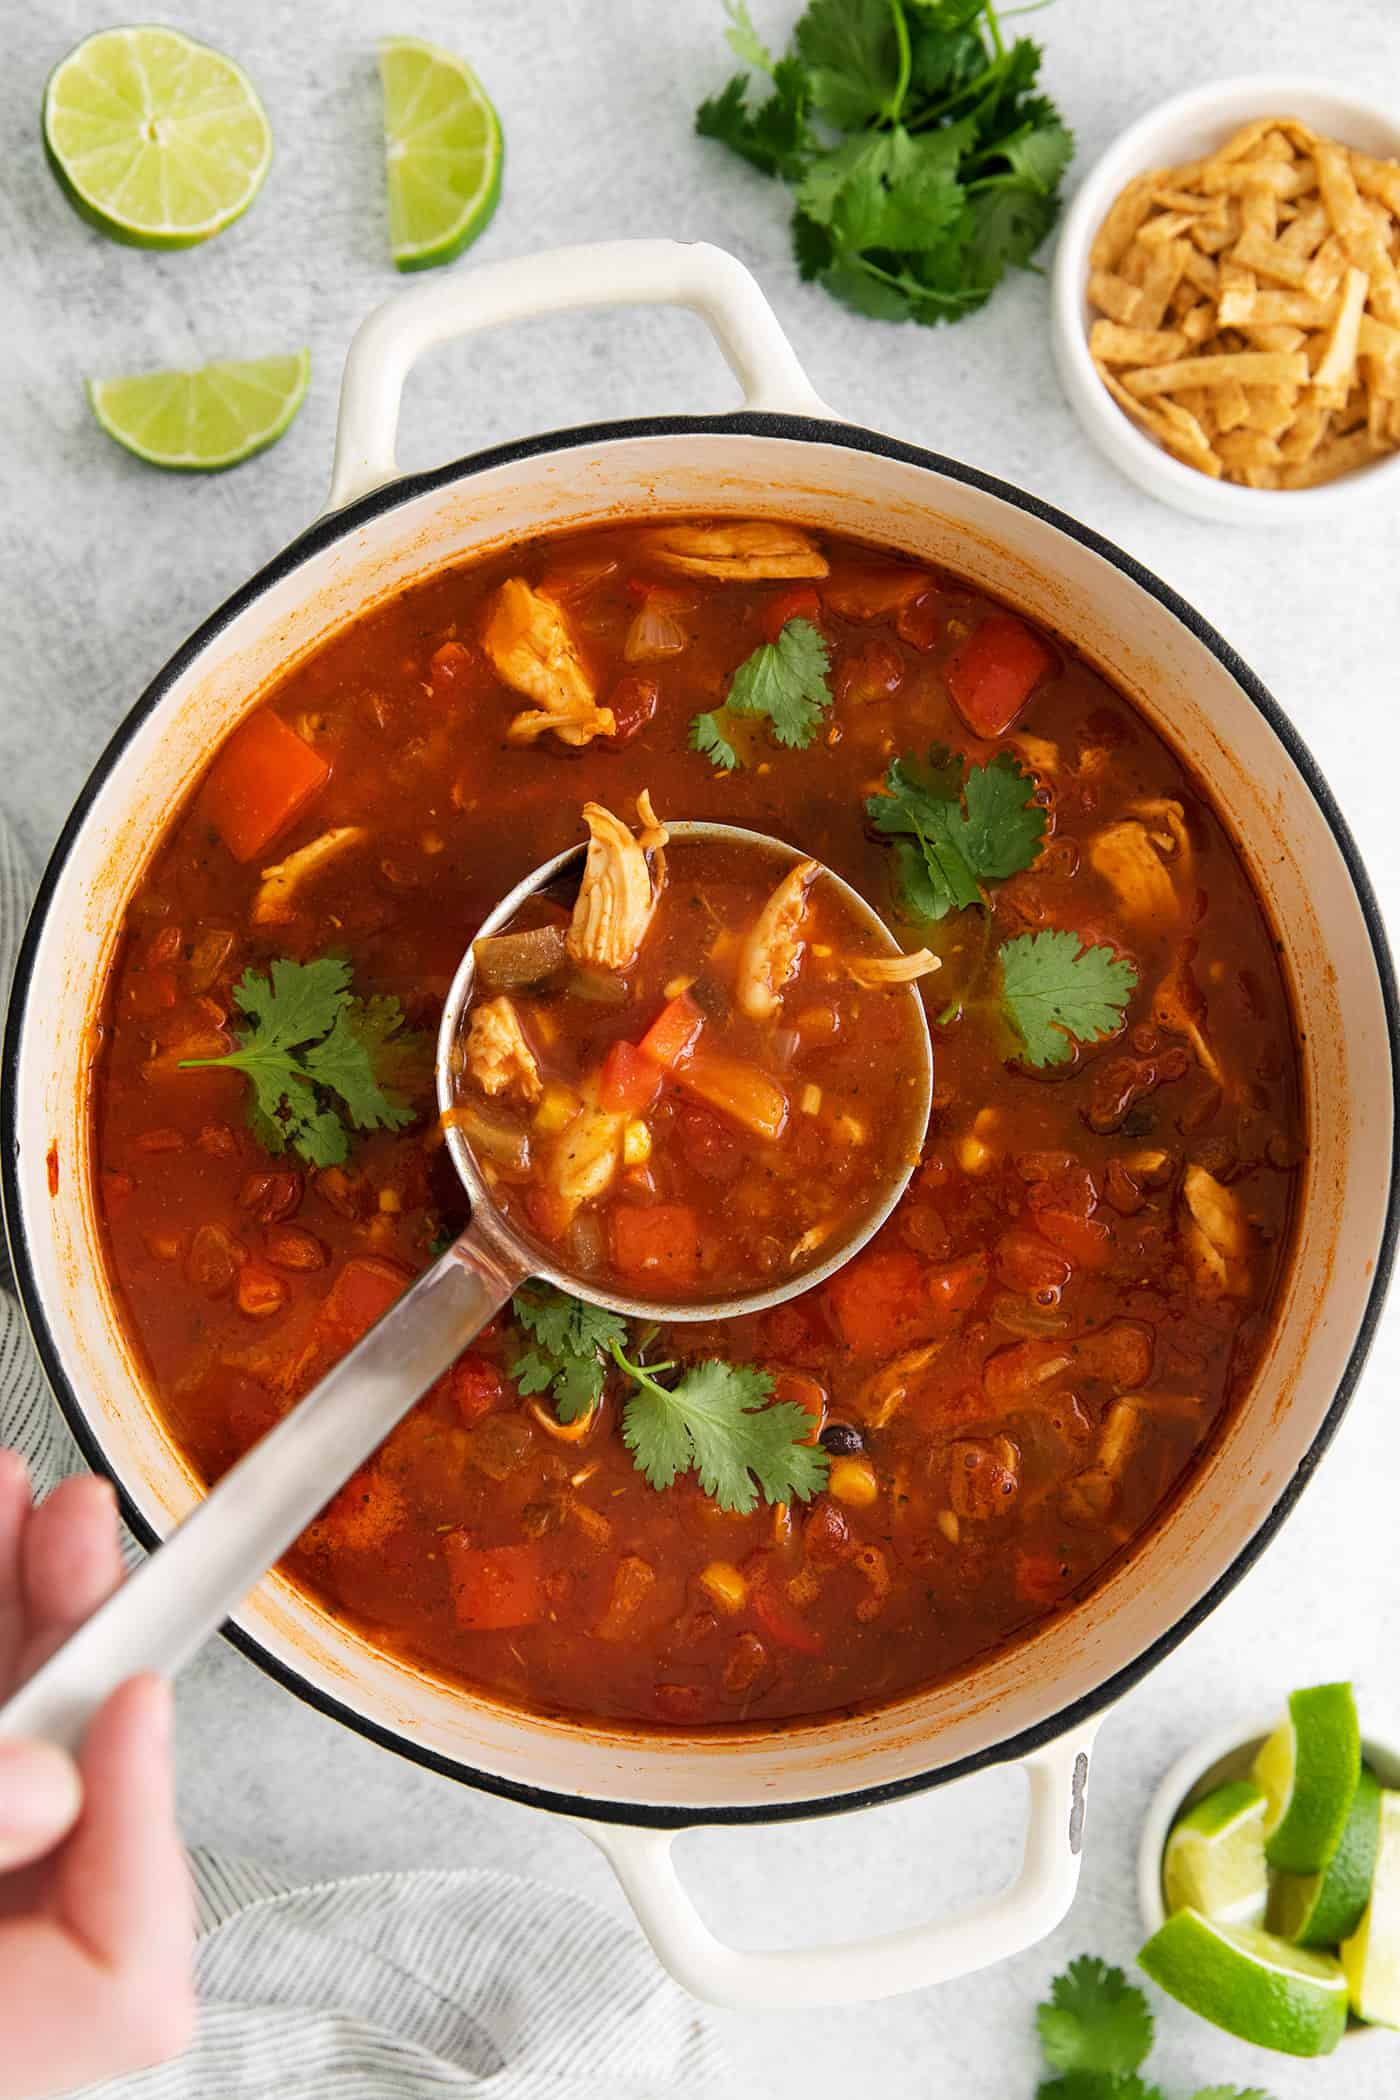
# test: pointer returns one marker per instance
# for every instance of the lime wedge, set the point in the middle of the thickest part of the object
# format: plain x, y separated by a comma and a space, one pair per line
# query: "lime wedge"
443, 151
1371, 1958
1214, 1858
156, 140
1309, 1769
1318, 1910
199, 421
1250, 1983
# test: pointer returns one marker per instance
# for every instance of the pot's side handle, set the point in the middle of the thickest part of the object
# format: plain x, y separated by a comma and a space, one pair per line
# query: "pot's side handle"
712, 284
858, 1970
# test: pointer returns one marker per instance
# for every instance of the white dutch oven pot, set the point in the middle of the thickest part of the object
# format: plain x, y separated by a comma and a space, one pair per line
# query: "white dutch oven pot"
782, 455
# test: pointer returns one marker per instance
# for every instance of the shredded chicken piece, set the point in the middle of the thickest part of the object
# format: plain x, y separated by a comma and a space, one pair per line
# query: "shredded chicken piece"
889, 1387
1172, 839
276, 897
587, 1156
498, 1057
740, 553
773, 948
877, 971
528, 639
619, 890
1215, 1234
1125, 855
1040, 754
1179, 1004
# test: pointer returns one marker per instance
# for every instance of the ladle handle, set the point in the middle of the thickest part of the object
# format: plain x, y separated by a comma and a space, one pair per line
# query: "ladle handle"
188, 1587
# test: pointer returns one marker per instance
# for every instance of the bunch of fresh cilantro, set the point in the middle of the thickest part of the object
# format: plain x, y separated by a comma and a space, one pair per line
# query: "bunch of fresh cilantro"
924, 162
319, 1058
718, 1420
1096, 2031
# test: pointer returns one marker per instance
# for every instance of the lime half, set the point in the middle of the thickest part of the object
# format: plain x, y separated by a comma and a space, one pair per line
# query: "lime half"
199, 421
1371, 1958
1214, 1858
1250, 1983
442, 149
156, 140
1318, 1910
1309, 1768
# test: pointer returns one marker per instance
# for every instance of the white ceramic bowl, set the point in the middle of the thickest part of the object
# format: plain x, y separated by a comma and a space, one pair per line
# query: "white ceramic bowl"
1229, 1754
1189, 125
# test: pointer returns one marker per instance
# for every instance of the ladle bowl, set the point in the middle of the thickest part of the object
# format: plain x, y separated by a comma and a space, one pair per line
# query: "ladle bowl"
183, 1593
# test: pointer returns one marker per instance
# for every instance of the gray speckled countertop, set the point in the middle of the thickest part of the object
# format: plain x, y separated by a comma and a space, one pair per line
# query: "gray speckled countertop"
107, 566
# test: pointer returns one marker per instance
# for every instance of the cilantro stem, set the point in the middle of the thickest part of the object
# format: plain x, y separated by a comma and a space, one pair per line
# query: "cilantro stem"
643, 1374
901, 86
995, 27
936, 111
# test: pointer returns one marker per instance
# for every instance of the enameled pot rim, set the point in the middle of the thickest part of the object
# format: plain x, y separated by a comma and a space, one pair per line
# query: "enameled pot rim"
759, 425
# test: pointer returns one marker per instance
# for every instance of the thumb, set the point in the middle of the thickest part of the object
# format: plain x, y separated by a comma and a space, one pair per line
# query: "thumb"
40, 1796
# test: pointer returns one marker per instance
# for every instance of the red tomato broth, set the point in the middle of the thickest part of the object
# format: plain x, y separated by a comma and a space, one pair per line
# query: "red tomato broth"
764, 1142
979, 1402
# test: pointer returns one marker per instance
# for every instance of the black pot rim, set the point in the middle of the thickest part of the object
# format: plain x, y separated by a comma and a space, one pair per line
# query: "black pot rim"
322, 534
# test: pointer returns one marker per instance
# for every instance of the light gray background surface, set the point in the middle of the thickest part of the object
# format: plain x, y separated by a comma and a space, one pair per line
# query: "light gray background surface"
105, 567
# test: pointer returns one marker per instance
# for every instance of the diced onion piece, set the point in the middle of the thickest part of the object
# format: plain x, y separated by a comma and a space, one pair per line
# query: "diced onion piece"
507, 961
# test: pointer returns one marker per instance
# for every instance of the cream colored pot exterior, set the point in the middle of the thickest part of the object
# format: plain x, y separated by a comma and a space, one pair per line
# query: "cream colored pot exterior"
1039, 1700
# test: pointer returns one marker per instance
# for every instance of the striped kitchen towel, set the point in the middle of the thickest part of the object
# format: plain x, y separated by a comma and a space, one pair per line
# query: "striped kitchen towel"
387, 1986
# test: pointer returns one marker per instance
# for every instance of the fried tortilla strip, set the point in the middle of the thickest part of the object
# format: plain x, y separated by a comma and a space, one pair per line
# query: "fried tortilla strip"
1114, 296
1113, 345
1307, 231
1238, 291
1356, 229
1377, 178
1270, 409
1231, 408
1285, 339
1163, 272
1249, 367
1125, 215
1333, 377
1269, 258
1336, 455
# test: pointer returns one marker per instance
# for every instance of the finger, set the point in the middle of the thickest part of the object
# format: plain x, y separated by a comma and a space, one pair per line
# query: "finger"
121, 1883
14, 1515
40, 1796
70, 1562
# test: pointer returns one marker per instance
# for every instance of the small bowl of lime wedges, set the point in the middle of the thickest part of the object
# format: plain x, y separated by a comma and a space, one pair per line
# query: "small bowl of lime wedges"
1269, 1877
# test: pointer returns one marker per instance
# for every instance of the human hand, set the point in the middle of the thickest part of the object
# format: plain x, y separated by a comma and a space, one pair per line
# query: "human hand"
96, 1929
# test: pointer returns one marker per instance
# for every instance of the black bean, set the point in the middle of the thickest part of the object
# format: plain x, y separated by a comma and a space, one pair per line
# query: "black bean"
842, 1439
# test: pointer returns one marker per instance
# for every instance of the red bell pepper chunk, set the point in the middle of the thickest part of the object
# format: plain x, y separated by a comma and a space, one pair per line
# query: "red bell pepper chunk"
264, 776
799, 603
673, 1033
494, 1588
629, 1082
361, 1294
780, 1621
660, 1242
879, 1301
995, 671
955, 1289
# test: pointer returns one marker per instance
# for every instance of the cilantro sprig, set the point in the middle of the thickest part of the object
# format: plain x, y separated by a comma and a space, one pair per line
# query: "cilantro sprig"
953, 834
720, 1420
1057, 992
924, 162
318, 1059
572, 1341
1096, 2032
785, 683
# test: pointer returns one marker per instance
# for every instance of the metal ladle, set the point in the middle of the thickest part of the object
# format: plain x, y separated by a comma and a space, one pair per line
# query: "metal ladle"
190, 1584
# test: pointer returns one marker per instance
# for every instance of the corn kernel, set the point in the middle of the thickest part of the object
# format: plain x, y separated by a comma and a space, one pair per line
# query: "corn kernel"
973, 1156
432, 842
849, 1129
853, 1480
557, 1109
823, 950
390, 1200
947, 1522
986, 1120
724, 1585
674, 986
811, 1098
636, 1144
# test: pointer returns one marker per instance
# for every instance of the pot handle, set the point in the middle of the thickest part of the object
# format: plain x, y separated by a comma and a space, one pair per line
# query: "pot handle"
855, 1971
605, 273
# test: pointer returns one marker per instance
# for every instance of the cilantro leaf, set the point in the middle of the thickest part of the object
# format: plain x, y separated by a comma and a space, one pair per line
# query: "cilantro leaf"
1231, 2092
720, 1420
309, 1038
773, 137
1098, 2085
571, 1340
1094, 2020
954, 852
852, 54
1057, 992
784, 683
744, 40
709, 740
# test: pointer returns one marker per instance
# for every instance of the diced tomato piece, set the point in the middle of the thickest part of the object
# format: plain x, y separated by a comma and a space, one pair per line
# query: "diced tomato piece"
921, 621
1026, 1264
633, 700
363, 1516
474, 1386
995, 671
708, 1142
1041, 1577
803, 1392
672, 1035
633, 1584
550, 1213
1086, 1241
736, 1088
629, 1082
660, 1242
264, 776
778, 1618
798, 603
361, 1294
1018, 1373
494, 1587
1119, 1354
873, 593
879, 1301
954, 1290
